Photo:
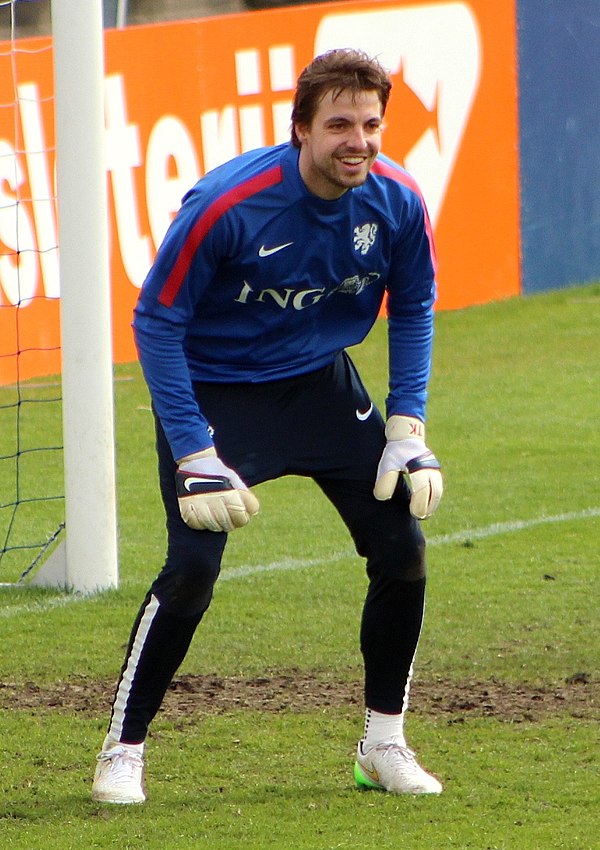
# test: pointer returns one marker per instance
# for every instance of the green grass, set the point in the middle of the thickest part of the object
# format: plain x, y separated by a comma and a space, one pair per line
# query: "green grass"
30, 441
513, 415
251, 788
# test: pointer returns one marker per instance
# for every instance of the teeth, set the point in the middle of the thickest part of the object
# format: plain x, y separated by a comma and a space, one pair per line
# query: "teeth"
353, 160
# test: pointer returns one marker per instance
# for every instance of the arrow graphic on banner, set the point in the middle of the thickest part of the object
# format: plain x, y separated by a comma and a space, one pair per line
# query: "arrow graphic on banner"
433, 53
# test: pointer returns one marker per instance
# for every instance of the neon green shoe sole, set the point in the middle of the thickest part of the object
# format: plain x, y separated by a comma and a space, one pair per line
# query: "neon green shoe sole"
363, 782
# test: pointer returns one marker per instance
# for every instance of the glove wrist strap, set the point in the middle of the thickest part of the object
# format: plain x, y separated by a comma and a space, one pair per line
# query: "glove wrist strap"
404, 428
209, 452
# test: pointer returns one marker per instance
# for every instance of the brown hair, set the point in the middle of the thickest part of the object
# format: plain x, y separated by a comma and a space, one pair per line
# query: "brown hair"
337, 70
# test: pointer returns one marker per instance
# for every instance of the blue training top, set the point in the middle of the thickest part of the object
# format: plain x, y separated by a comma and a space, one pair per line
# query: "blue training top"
258, 279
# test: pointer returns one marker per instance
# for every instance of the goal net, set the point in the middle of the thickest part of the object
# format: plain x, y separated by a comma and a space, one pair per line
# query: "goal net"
56, 428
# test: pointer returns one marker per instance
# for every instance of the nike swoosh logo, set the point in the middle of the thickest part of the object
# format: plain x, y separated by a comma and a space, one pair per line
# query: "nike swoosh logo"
205, 485
371, 773
362, 416
189, 482
266, 252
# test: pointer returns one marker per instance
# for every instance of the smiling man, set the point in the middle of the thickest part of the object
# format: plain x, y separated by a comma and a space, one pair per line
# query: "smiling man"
276, 263
339, 145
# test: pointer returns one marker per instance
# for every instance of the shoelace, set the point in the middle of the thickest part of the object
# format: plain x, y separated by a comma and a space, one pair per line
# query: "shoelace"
394, 751
123, 763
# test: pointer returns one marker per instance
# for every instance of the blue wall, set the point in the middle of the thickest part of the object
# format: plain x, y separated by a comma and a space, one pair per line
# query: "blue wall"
559, 103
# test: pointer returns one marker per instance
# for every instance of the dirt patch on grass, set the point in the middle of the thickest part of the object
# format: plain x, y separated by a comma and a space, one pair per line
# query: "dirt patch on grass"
578, 696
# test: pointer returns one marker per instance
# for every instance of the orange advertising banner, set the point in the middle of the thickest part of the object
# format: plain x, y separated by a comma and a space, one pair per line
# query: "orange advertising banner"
181, 98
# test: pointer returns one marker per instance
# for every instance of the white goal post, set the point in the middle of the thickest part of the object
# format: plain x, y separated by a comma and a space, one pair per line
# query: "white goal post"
87, 560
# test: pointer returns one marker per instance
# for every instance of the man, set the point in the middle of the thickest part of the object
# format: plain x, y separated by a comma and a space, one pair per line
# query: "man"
276, 262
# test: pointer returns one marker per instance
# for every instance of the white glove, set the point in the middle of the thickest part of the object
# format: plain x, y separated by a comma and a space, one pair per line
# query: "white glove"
211, 496
407, 454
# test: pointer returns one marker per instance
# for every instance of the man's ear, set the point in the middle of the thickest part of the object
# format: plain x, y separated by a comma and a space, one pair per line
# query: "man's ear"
301, 131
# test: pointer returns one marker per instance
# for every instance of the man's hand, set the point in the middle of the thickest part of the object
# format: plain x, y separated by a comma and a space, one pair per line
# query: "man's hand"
211, 496
407, 454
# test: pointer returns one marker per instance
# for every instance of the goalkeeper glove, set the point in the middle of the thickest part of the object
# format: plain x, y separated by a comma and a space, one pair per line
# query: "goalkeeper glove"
407, 454
211, 496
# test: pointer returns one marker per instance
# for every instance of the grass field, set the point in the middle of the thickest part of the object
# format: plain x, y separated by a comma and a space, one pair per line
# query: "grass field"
254, 747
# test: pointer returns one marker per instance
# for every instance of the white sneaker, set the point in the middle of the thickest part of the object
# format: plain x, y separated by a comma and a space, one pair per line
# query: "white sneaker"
119, 776
389, 767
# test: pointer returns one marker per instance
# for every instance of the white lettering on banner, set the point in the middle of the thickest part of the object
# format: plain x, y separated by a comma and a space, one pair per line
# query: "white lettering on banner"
282, 112
19, 275
219, 136
18, 267
42, 194
229, 132
282, 67
437, 48
224, 134
252, 126
282, 72
123, 154
247, 72
170, 141
248, 81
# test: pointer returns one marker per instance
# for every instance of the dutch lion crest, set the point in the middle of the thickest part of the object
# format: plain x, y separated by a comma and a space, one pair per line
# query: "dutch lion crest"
364, 237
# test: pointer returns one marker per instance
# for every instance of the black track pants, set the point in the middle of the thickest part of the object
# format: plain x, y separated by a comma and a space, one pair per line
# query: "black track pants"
321, 425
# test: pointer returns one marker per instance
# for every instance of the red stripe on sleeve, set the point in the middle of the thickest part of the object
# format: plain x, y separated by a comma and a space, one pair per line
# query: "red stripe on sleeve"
405, 179
212, 214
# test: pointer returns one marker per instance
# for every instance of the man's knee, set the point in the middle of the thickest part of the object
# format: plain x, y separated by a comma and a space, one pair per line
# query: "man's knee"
392, 542
398, 558
185, 584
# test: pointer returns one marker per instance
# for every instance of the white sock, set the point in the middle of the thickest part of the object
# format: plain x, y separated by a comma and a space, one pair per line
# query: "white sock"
109, 743
382, 727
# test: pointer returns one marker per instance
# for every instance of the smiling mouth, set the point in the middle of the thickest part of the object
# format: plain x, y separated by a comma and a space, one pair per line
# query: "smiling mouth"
352, 161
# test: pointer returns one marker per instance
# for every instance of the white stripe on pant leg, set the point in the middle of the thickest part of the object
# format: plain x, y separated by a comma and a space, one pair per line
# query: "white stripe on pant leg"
412, 666
409, 679
118, 717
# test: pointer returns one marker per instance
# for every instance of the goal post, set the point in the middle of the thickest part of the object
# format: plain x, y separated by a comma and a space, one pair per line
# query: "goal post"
87, 560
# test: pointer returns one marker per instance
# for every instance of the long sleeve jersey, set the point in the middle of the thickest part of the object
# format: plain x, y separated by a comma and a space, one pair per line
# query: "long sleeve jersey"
258, 279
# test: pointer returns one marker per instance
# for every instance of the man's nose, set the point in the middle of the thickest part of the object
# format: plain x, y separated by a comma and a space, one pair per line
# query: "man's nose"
357, 139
